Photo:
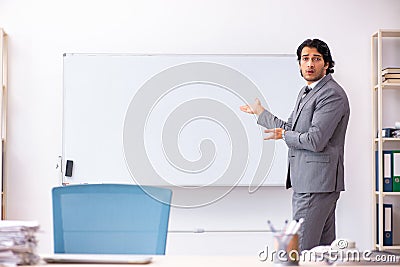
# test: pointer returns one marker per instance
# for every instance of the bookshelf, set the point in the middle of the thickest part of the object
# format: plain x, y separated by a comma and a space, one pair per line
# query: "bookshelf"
3, 117
381, 110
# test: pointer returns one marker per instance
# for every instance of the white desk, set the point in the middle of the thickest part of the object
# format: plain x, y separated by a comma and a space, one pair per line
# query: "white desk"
200, 261
181, 261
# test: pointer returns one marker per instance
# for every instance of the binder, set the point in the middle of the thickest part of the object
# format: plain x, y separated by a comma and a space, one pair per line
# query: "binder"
387, 184
387, 170
396, 170
396, 183
387, 224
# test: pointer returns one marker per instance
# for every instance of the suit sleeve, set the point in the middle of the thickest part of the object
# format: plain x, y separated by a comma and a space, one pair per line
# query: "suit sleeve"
328, 113
270, 121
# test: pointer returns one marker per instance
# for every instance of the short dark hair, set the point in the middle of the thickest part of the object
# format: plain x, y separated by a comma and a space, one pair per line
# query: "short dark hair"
322, 48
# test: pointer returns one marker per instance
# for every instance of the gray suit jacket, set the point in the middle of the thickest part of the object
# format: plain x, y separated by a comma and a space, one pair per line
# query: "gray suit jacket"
315, 135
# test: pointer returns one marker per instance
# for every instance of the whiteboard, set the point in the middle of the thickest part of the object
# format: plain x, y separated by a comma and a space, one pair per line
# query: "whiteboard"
174, 120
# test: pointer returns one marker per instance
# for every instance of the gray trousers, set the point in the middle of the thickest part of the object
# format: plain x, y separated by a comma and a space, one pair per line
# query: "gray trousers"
318, 211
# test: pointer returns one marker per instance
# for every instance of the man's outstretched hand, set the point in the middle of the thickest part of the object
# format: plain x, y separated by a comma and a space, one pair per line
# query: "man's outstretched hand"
255, 108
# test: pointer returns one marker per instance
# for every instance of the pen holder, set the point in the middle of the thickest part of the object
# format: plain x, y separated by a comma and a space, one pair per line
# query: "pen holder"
287, 249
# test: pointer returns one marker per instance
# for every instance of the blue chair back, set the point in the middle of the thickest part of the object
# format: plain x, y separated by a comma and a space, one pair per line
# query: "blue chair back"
110, 219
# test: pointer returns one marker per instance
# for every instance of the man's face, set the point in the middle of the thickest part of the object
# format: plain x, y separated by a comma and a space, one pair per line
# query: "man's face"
312, 65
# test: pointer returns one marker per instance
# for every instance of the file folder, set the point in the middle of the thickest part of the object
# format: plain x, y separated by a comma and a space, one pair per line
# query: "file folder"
387, 184
396, 170
387, 224
396, 162
396, 184
387, 170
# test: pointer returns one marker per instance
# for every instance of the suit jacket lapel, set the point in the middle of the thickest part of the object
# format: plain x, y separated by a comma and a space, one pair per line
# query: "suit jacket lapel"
301, 93
297, 108
308, 97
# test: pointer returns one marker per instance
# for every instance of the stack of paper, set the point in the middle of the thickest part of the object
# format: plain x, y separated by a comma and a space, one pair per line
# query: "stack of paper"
18, 242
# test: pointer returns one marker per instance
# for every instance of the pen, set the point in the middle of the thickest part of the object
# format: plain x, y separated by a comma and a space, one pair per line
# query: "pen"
284, 226
290, 228
271, 226
297, 226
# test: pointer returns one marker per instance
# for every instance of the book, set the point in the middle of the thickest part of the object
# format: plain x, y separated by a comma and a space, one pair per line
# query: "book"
391, 80
391, 75
391, 70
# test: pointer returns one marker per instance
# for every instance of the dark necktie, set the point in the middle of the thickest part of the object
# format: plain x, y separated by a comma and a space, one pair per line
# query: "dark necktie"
306, 91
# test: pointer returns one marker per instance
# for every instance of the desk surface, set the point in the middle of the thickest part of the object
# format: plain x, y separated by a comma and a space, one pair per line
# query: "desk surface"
201, 261
185, 261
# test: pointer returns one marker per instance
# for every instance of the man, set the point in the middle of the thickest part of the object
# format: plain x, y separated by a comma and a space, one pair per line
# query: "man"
315, 135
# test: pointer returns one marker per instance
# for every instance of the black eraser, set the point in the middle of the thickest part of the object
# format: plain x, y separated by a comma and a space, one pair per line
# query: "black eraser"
68, 168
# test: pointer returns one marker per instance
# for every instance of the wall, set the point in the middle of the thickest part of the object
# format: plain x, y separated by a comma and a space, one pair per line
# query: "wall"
41, 31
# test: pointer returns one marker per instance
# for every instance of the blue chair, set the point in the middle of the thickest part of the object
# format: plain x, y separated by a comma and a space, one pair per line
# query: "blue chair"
110, 219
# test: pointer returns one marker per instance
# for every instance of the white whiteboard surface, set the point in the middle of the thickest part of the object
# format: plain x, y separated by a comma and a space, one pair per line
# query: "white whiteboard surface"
174, 119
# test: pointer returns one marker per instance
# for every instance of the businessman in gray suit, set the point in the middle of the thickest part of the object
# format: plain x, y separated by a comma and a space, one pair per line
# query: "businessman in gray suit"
315, 135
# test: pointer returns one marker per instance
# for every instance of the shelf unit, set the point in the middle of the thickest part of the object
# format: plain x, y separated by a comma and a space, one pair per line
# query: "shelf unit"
3, 117
378, 143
